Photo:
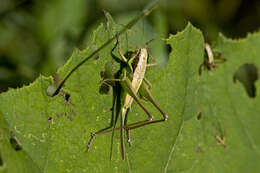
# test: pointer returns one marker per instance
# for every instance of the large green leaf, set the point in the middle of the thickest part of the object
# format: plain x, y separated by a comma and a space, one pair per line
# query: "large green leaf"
224, 135
54, 132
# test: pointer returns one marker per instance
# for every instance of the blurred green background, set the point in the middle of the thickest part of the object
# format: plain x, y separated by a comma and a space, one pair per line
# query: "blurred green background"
36, 37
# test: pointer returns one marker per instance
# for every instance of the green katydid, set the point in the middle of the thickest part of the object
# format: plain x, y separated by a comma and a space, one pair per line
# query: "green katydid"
130, 81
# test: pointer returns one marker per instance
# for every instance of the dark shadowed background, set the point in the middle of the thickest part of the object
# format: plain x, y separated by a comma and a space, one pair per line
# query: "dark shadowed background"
36, 37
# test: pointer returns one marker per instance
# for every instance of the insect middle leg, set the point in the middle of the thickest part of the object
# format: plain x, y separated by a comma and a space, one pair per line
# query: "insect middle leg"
93, 135
135, 125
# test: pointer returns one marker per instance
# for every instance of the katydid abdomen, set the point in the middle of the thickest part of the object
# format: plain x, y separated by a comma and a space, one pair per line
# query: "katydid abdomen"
138, 75
139, 68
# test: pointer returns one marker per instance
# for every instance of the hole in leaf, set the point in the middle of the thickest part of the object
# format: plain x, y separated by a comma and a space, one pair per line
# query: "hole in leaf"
1, 161
199, 116
67, 96
247, 74
49, 119
15, 142
169, 48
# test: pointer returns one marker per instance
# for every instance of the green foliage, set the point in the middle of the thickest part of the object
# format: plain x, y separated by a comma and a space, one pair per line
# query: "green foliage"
54, 132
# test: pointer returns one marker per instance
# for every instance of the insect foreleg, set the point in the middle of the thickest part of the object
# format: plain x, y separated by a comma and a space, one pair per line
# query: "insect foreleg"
119, 49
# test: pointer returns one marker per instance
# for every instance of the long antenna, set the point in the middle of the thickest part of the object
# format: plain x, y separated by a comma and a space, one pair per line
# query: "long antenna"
144, 13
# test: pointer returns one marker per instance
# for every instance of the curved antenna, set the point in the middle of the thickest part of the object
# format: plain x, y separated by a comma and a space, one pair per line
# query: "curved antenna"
144, 13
